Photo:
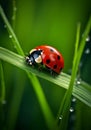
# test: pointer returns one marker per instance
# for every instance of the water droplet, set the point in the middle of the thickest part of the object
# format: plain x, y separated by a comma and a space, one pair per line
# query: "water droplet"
60, 118
87, 51
71, 109
78, 82
88, 39
4, 102
10, 36
73, 99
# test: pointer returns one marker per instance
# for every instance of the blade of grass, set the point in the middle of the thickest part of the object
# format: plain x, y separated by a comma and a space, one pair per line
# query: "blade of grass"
14, 13
65, 105
15, 101
45, 109
76, 44
62, 80
31, 76
70, 86
11, 32
82, 43
2, 97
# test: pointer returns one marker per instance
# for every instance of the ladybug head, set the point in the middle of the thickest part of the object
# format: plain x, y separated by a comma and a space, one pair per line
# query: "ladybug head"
34, 57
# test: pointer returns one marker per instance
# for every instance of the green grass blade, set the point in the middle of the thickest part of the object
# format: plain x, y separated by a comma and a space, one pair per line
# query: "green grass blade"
82, 43
20, 51
14, 13
15, 102
62, 80
2, 87
49, 118
11, 33
77, 38
2, 96
65, 105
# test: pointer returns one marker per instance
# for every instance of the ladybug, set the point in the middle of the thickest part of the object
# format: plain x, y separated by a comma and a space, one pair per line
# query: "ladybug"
47, 56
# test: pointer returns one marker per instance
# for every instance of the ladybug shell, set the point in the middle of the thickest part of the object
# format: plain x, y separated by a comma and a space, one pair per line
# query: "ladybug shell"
51, 58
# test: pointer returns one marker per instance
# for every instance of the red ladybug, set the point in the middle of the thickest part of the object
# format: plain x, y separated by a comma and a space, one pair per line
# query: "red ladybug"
47, 56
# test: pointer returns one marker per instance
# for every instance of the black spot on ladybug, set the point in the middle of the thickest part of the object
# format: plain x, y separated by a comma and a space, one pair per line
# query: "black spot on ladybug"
51, 50
47, 61
55, 66
58, 57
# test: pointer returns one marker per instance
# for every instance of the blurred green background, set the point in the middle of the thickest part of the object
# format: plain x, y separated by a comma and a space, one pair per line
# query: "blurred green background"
51, 22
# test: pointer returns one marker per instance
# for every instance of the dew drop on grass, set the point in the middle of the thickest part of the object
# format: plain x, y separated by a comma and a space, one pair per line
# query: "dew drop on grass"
10, 36
71, 109
78, 82
60, 118
73, 99
87, 51
88, 39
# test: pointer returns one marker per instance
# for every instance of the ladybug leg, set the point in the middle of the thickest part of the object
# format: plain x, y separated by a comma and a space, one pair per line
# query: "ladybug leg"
40, 66
52, 73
